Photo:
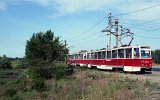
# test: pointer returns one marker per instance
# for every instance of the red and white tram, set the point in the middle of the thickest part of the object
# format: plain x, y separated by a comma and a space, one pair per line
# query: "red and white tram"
129, 59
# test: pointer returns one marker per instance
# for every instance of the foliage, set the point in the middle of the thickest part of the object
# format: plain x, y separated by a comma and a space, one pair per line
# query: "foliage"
5, 63
156, 56
19, 64
38, 84
45, 48
59, 71
84, 84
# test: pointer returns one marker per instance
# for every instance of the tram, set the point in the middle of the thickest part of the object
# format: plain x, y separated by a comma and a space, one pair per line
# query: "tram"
128, 59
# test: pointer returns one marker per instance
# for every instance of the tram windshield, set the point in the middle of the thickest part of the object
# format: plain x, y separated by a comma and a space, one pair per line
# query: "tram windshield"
145, 54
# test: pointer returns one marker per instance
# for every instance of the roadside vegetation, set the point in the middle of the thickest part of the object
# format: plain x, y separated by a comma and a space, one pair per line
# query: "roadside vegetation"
43, 74
156, 56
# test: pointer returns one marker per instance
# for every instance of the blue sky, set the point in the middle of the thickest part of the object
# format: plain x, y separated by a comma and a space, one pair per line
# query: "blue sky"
19, 19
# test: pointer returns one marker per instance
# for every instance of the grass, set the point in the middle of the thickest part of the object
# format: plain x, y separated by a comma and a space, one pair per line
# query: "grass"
15, 63
87, 84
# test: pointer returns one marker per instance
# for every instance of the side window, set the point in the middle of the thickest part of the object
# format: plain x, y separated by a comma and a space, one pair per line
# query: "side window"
108, 54
129, 53
76, 56
99, 55
88, 55
121, 53
71, 56
92, 55
80, 56
114, 53
96, 55
103, 54
136, 53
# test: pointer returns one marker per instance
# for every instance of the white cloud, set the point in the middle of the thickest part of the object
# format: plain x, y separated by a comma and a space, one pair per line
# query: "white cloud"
64, 7
147, 14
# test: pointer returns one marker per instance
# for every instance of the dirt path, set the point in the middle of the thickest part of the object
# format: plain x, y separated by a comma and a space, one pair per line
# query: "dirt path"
154, 76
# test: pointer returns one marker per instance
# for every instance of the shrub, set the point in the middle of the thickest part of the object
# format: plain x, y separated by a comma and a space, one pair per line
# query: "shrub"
5, 63
59, 71
45, 72
38, 84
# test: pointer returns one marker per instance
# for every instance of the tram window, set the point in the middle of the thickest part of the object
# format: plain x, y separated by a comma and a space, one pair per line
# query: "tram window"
136, 52
96, 55
129, 53
145, 54
108, 54
76, 56
121, 53
92, 55
88, 56
71, 56
80, 56
114, 53
99, 55
103, 54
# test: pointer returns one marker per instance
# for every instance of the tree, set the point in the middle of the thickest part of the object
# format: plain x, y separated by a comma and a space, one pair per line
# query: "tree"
5, 63
156, 56
45, 48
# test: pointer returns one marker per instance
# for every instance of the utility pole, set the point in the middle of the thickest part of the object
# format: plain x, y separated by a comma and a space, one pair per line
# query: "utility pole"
65, 44
108, 31
116, 25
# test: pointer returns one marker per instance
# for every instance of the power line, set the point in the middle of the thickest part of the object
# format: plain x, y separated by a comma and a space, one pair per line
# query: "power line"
90, 28
138, 10
112, 16
147, 37
86, 37
143, 24
89, 41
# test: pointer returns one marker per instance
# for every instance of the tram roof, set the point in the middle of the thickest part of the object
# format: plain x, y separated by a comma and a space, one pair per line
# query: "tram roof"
101, 50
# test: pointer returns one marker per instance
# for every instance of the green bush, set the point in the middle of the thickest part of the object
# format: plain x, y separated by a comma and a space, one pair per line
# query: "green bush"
59, 71
38, 84
45, 72
5, 63
23, 83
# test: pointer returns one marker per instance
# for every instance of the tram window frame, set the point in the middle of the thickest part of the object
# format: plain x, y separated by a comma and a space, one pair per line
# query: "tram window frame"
109, 54
120, 53
128, 52
103, 54
114, 53
84, 56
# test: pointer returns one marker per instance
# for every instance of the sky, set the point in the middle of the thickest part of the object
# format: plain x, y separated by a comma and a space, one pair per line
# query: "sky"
79, 22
